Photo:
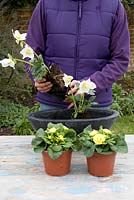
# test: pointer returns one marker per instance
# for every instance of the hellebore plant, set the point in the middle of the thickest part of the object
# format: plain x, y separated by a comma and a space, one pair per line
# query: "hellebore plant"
80, 103
102, 141
55, 139
36, 63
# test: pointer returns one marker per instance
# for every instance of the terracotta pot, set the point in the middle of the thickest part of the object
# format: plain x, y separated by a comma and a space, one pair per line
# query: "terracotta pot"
100, 164
59, 166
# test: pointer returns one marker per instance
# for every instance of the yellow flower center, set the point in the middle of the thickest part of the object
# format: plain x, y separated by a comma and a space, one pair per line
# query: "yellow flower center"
84, 85
9, 62
18, 37
28, 51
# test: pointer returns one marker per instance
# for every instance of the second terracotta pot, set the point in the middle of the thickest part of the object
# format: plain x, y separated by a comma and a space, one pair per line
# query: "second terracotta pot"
101, 165
59, 166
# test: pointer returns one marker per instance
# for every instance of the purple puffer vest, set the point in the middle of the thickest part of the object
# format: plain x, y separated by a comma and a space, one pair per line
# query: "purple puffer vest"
76, 35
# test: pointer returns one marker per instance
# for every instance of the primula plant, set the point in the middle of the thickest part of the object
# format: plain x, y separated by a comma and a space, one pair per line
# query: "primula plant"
80, 103
102, 141
55, 139
36, 63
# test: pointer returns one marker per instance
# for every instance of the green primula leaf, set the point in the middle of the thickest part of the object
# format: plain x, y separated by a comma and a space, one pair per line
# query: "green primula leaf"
50, 125
36, 141
76, 146
67, 145
71, 134
40, 133
122, 146
47, 141
56, 148
88, 129
87, 143
99, 149
39, 149
88, 152
114, 148
54, 154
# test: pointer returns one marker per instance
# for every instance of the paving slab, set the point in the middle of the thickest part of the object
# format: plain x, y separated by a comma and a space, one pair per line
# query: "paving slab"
22, 175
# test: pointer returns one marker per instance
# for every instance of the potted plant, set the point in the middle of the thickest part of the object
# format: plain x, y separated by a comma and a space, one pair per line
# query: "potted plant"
100, 148
56, 144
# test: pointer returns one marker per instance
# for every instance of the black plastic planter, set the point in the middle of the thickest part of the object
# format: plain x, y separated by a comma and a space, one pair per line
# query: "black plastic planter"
40, 119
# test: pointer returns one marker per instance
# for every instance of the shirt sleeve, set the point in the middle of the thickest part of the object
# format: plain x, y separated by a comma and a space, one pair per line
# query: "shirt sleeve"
119, 48
36, 32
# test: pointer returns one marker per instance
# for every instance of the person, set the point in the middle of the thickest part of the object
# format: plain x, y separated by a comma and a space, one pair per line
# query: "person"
86, 38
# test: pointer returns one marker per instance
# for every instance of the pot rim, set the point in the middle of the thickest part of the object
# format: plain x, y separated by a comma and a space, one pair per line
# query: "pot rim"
114, 114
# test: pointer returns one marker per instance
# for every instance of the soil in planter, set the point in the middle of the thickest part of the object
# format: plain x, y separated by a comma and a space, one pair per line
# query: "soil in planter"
55, 76
85, 115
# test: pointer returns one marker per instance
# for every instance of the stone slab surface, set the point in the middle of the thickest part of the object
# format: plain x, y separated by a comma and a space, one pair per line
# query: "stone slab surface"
22, 175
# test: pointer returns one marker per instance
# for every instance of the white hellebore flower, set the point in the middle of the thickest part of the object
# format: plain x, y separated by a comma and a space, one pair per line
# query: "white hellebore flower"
18, 36
7, 62
27, 52
67, 80
86, 86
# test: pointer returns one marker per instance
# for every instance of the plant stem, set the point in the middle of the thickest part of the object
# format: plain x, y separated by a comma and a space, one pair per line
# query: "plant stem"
19, 60
75, 105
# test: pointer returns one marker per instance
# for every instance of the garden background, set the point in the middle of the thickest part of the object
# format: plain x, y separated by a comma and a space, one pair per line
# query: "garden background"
17, 94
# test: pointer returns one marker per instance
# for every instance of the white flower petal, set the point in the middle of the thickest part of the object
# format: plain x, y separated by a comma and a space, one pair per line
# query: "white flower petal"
27, 52
7, 63
67, 79
86, 86
18, 36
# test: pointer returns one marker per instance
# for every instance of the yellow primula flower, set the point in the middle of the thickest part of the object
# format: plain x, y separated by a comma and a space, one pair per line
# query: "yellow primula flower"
107, 131
61, 137
52, 130
50, 137
99, 139
93, 133
65, 128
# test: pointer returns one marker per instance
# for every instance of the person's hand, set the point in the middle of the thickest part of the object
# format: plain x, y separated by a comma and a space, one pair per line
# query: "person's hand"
73, 90
43, 85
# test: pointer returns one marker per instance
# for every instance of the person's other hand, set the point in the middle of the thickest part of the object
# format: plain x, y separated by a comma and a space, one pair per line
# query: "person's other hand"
43, 85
